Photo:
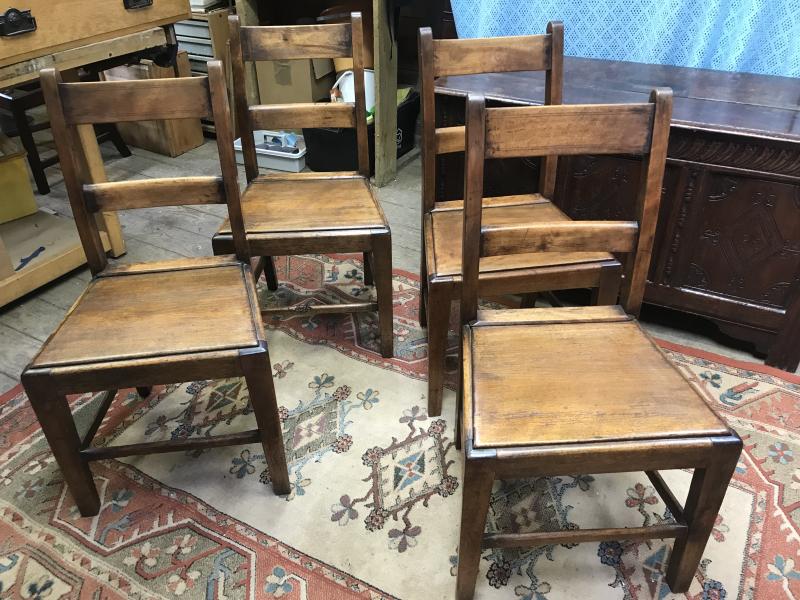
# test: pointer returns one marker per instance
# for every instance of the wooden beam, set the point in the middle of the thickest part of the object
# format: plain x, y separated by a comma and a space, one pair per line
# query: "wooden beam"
578, 536
306, 309
100, 414
385, 95
248, 15
228, 439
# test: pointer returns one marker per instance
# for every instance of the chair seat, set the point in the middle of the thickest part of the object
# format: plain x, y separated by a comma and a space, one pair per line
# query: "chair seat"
158, 309
446, 229
572, 375
306, 203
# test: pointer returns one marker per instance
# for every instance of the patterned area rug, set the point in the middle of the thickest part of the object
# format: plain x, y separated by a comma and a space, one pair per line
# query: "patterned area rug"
375, 499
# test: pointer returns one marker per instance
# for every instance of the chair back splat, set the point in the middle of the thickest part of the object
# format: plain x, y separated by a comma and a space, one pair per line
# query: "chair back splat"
75, 107
440, 58
641, 129
338, 40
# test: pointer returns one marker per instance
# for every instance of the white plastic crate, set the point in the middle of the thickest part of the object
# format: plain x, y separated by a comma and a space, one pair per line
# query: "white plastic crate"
274, 159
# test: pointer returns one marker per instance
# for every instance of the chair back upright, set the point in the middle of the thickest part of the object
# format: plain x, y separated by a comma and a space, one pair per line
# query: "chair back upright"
640, 129
439, 58
75, 107
259, 43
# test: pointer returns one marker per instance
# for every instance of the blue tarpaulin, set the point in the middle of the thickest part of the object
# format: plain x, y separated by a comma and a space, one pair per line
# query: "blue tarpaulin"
755, 36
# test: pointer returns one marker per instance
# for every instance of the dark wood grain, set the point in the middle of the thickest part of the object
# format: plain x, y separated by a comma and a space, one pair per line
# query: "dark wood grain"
568, 129
496, 54
140, 100
297, 41
125, 195
297, 115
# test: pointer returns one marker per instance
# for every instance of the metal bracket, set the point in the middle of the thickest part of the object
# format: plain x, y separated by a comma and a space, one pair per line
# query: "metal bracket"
16, 22
133, 4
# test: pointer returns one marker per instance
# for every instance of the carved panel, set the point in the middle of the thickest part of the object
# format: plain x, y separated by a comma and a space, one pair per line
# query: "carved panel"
744, 240
745, 153
598, 187
683, 206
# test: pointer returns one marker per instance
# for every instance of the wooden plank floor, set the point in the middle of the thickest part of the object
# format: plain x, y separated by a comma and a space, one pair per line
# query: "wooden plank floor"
186, 231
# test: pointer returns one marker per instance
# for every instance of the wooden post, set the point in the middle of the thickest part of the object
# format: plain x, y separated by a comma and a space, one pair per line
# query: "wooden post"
385, 95
248, 15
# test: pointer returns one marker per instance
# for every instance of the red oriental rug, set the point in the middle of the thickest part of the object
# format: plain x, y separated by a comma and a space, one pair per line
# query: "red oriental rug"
375, 499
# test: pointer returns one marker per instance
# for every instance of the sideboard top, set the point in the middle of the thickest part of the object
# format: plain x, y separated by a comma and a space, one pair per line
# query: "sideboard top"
739, 103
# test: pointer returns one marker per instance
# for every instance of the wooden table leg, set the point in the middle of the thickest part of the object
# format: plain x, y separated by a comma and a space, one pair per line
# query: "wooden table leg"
785, 351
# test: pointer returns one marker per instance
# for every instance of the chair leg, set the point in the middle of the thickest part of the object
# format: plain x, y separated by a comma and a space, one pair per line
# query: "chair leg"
143, 391
258, 376
529, 300
116, 139
270, 276
438, 326
382, 252
368, 280
423, 290
423, 305
478, 480
59, 430
34, 161
702, 506
607, 293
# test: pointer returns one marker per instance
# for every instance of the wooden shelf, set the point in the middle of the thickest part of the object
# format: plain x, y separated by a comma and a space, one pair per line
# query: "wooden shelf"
50, 246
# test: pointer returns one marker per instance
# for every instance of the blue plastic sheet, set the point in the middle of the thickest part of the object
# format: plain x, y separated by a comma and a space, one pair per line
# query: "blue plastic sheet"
756, 36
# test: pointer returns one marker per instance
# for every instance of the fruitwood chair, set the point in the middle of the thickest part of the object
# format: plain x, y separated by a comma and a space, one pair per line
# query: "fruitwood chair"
303, 213
578, 390
151, 323
440, 269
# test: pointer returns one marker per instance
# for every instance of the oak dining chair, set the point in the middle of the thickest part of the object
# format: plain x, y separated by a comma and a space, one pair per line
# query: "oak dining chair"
137, 325
440, 268
555, 391
311, 212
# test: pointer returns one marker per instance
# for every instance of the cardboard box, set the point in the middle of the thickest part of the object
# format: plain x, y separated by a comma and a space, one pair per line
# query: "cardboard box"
287, 81
17, 193
170, 137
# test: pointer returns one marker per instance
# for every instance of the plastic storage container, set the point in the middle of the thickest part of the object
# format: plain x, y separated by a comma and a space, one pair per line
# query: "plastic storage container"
280, 160
335, 149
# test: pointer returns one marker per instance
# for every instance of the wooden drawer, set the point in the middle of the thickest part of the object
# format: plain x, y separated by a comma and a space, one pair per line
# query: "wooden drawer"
62, 24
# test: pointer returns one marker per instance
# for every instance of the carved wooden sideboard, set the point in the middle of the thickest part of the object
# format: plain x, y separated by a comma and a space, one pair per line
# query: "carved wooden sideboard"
728, 238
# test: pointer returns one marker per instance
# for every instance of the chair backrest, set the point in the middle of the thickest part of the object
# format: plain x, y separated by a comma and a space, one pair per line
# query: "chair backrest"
75, 107
294, 42
438, 58
641, 129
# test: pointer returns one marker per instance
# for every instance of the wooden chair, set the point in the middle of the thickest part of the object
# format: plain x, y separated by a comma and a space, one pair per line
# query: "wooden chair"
440, 269
578, 390
15, 103
307, 213
151, 323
